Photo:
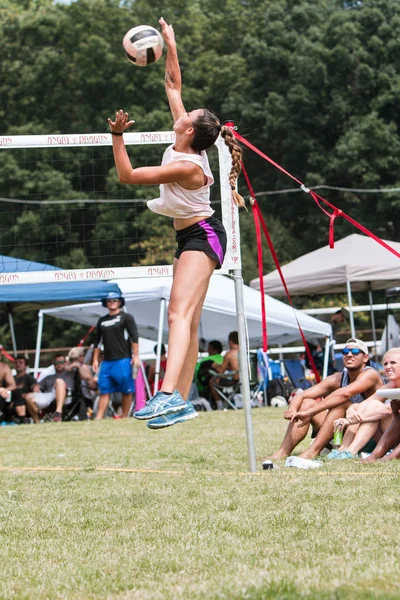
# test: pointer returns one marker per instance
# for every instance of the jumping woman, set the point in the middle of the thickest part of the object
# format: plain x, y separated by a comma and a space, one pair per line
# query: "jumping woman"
185, 179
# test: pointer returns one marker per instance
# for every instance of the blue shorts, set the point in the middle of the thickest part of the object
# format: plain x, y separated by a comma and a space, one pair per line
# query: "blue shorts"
116, 376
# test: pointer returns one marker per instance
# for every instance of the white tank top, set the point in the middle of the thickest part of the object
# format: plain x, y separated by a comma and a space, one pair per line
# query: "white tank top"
178, 202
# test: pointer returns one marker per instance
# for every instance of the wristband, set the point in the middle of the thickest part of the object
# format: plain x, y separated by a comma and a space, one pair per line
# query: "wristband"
117, 133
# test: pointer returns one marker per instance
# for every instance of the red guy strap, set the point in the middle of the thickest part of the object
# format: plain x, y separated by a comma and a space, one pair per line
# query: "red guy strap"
337, 212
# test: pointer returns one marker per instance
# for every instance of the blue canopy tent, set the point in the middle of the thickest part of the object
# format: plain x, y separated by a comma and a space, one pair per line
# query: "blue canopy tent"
22, 297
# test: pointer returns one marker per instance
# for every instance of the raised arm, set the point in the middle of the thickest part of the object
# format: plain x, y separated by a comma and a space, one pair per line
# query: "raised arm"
173, 79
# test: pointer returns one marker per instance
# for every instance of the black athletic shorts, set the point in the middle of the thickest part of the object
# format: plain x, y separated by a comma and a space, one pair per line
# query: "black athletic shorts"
208, 236
17, 398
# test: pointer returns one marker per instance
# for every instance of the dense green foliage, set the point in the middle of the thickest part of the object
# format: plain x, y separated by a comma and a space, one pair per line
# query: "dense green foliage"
312, 83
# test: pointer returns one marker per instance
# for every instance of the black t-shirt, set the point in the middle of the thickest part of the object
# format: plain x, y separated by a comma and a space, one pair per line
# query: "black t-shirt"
116, 333
25, 382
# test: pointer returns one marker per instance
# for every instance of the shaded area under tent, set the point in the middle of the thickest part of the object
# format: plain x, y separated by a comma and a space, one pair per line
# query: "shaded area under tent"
27, 297
147, 300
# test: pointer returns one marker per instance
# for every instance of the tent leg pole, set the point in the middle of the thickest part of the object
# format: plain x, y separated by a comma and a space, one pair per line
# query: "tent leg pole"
244, 371
38, 344
159, 342
281, 362
350, 302
326, 357
371, 303
12, 331
146, 381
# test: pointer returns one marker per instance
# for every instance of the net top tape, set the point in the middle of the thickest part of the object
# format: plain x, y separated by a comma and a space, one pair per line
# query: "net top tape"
84, 139
100, 274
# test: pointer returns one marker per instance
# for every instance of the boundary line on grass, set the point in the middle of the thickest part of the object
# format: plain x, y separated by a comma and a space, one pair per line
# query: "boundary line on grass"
162, 472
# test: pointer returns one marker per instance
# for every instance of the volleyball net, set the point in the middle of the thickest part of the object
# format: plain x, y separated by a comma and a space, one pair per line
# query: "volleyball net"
63, 210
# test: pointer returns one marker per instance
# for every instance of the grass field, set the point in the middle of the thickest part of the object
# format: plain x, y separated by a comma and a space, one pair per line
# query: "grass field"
188, 522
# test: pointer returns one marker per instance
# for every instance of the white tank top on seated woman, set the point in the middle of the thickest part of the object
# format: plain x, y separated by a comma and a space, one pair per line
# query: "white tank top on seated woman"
176, 201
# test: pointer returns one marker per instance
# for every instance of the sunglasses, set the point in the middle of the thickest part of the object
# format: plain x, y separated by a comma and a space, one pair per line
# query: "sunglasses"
59, 362
354, 351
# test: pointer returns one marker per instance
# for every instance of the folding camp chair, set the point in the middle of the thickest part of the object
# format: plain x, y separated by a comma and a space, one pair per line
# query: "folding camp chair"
228, 389
268, 370
296, 373
75, 406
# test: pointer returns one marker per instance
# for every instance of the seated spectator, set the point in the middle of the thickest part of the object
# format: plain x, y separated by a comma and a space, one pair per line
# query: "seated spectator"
390, 440
339, 391
87, 379
202, 373
53, 387
318, 356
229, 368
7, 385
152, 368
25, 383
363, 424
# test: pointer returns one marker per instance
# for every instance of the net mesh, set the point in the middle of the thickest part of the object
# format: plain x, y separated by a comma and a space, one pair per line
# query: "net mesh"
64, 206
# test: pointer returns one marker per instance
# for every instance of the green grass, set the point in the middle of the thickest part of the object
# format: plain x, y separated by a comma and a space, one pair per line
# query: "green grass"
189, 532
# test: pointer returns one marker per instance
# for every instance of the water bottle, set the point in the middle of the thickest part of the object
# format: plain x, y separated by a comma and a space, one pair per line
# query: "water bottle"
134, 371
337, 439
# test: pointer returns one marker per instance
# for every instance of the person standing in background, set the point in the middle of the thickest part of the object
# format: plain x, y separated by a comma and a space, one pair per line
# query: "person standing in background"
118, 334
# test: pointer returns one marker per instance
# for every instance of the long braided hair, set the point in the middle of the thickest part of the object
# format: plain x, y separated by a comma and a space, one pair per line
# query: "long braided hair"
206, 130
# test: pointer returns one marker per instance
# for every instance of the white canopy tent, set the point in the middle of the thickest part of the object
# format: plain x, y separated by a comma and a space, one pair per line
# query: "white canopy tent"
147, 299
356, 263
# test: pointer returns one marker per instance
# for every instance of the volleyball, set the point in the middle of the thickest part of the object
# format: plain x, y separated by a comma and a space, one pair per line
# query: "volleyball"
143, 45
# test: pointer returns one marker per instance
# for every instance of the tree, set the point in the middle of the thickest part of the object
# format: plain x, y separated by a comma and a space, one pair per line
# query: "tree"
312, 83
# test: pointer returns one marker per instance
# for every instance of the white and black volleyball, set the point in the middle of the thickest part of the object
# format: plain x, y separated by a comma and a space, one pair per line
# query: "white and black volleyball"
143, 45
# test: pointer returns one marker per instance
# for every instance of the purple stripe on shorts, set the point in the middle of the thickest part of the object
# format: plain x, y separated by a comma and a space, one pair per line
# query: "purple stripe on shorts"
213, 240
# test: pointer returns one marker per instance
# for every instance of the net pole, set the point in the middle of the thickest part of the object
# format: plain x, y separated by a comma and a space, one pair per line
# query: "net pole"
244, 371
230, 218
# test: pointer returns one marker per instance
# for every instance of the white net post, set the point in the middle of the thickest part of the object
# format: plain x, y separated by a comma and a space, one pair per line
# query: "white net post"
233, 262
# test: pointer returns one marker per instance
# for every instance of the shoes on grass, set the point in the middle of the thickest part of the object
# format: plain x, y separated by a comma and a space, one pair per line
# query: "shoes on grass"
302, 463
267, 465
344, 455
185, 414
161, 404
333, 454
57, 417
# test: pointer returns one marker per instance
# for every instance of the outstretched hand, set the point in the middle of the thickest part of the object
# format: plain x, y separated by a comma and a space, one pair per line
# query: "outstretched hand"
121, 122
167, 33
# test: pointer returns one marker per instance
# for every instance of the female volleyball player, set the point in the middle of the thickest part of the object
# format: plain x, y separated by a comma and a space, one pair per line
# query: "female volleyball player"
185, 179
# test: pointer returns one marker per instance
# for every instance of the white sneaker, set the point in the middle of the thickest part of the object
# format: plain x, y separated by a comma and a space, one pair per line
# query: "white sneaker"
365, 454
302, 463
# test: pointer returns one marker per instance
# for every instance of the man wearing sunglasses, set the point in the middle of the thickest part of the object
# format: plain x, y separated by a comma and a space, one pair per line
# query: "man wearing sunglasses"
53, 387
339, 391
